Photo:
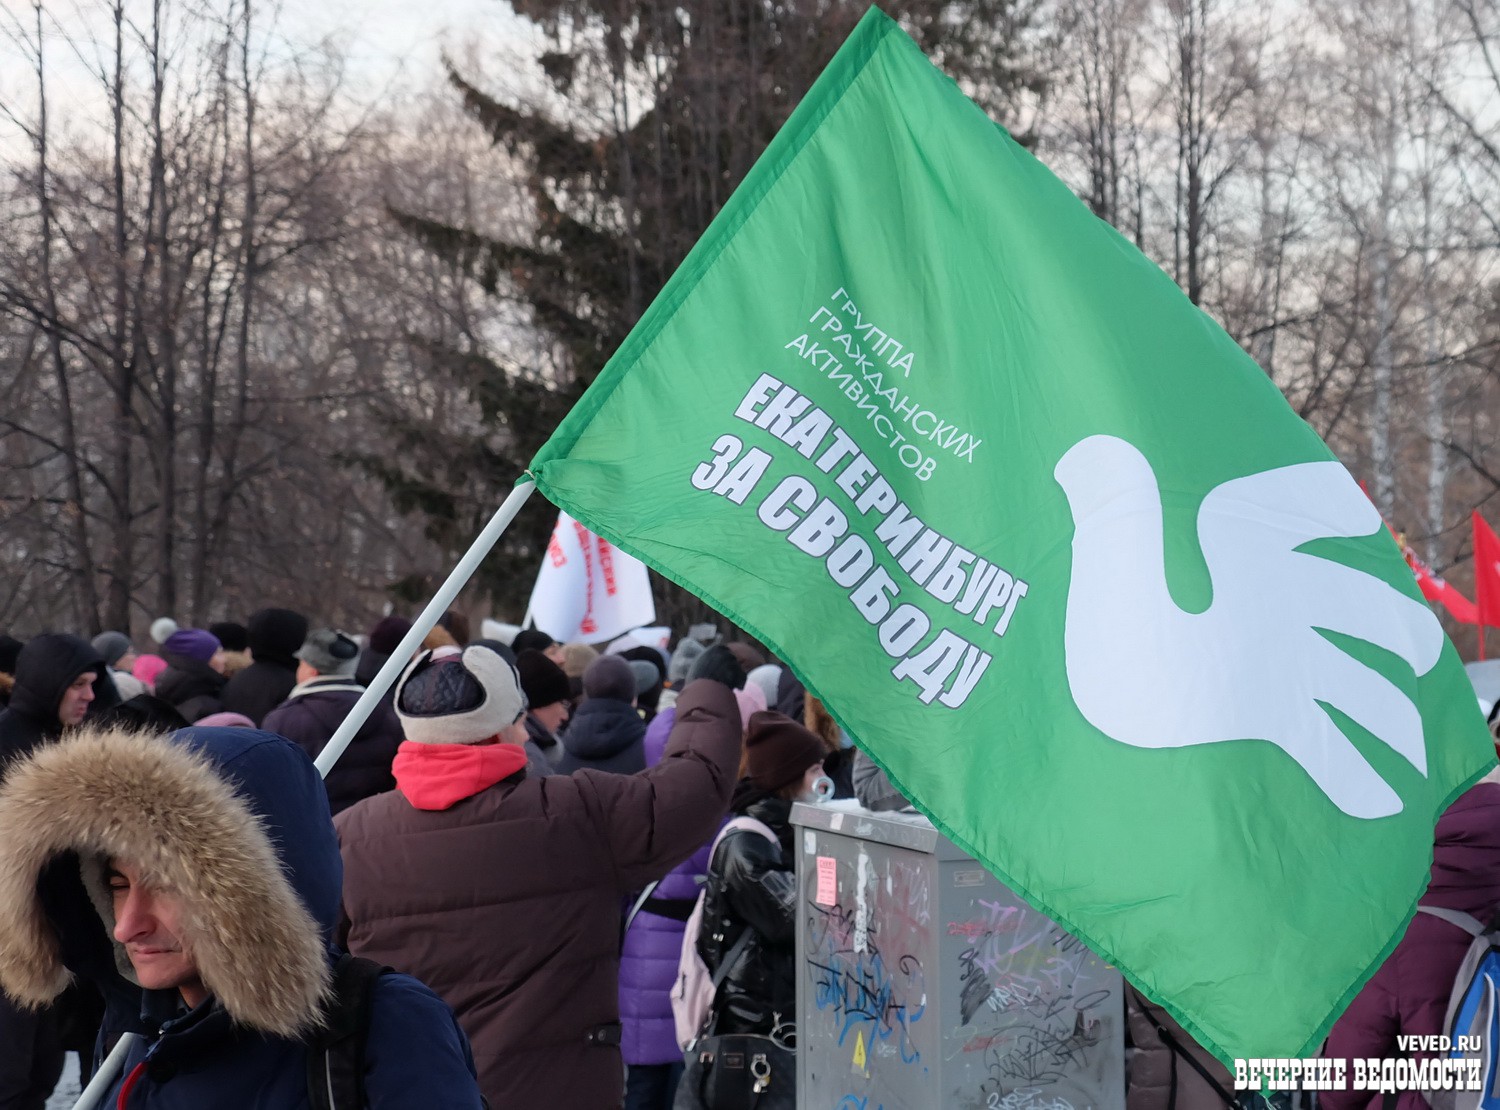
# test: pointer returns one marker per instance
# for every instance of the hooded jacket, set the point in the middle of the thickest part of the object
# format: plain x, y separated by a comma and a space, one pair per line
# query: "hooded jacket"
604, 734
313, 713
45, 669
275, 636
1408, 995
235, 821
508, 901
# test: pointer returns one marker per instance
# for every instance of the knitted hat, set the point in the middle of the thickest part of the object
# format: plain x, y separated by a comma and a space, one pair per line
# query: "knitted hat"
543, 680
194, 643
234, 636
111, 646
148, 668
329, 651
682, 661
386, 636
576, 659
647, 677
161, 628
766, 677
751, 701
609, 676
778, 751
531, 639
458, 699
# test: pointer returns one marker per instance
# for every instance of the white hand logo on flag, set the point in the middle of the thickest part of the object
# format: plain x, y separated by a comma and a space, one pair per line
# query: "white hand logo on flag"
1253, 665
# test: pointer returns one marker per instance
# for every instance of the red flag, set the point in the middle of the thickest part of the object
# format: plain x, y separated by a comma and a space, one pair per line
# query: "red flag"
1436, 588
1486, 572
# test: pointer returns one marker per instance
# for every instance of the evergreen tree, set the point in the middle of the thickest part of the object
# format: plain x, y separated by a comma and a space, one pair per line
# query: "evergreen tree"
668, 104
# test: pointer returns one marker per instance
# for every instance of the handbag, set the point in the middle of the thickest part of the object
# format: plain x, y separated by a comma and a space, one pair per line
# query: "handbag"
738, 1071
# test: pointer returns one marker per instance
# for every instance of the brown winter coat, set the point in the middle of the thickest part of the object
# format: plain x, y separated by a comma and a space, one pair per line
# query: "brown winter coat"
508, 904
1160, 1077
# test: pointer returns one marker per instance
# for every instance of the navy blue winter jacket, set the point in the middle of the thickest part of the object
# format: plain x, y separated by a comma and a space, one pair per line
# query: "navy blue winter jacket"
237, 821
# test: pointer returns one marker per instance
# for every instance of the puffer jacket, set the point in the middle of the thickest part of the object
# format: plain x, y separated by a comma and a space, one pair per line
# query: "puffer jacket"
508, 901
1408, 995
234, 820
604, 734
191, 686
275, 635
313, 713
759, 893
653, 943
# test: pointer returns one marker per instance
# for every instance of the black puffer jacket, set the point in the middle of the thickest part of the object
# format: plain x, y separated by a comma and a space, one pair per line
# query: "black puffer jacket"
752, 886
607, 735
191, 686
275, 636
45, 669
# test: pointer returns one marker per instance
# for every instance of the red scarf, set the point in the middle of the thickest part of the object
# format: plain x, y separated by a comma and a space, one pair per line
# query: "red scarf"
437, 776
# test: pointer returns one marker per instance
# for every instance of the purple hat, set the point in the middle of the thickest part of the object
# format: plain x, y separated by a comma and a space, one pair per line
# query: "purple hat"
193, 643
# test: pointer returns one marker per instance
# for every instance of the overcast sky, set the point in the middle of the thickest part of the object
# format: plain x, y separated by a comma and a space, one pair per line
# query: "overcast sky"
387, 45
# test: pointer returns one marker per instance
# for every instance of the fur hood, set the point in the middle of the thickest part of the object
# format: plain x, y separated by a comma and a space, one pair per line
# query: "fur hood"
235, 820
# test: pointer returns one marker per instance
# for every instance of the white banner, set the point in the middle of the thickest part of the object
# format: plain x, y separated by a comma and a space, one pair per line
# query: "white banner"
588, 589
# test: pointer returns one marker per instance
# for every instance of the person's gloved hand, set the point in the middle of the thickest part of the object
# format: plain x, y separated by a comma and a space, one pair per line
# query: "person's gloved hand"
719, 664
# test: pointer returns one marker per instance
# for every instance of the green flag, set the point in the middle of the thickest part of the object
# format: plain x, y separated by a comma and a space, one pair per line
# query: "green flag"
1052, 548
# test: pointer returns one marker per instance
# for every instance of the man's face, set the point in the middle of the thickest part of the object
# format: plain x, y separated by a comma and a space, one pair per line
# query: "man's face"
76, 700
127, 661
149, 924
555, 653
552, 716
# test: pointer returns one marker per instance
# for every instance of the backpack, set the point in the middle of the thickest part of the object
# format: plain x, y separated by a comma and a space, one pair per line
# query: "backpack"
336, 1052
1473, 1012
694, 989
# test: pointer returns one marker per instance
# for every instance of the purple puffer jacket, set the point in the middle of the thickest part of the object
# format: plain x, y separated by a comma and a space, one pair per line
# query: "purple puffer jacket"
648, 960
1409, 994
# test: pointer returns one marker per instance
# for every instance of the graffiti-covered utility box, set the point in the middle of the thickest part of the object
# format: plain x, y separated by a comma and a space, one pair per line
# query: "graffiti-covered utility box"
925, 983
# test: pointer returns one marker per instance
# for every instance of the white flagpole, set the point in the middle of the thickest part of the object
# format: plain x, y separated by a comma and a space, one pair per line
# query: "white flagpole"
387, 675
424, 624
104, 1078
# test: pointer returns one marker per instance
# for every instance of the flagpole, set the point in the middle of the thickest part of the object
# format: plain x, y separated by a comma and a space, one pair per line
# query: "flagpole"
382, 681
423, 625
105, 1076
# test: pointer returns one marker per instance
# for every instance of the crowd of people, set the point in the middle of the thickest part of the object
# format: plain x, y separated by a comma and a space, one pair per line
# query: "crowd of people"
485, 901
488, 893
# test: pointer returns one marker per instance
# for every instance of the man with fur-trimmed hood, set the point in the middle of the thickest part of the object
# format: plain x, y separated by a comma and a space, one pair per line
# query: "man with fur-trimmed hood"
195, 878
